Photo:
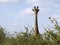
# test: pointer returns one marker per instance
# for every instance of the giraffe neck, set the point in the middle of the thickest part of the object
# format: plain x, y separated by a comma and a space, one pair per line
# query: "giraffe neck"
36, 25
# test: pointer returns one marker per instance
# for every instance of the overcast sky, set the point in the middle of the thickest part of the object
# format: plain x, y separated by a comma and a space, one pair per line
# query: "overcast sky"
15, 14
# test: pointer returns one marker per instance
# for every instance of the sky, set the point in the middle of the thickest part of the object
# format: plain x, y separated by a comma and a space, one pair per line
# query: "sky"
15, 14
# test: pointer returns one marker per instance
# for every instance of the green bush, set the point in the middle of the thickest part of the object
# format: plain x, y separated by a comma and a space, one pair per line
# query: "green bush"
50, 37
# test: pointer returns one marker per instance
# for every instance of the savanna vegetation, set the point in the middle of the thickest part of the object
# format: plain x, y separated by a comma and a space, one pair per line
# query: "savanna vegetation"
49, 37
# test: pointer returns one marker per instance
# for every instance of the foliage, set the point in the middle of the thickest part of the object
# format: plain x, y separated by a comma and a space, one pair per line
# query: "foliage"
50, 37
2, 35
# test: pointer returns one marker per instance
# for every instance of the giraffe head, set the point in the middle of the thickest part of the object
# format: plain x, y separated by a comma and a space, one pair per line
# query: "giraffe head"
36, 9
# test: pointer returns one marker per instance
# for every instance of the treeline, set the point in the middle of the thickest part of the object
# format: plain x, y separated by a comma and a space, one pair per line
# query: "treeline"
50, 37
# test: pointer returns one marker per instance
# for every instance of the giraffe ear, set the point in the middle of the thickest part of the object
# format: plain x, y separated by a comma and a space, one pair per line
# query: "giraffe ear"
49, 17
32, 9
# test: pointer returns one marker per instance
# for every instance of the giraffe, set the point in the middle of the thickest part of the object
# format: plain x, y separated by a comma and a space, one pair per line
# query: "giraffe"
36, 10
